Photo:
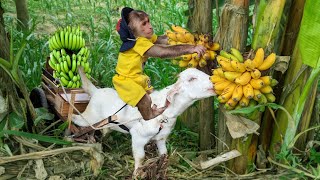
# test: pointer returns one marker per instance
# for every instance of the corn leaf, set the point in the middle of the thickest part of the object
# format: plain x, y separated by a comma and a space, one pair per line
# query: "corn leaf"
35, 136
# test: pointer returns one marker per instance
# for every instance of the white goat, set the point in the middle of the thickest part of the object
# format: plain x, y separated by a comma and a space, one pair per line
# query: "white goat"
192, 85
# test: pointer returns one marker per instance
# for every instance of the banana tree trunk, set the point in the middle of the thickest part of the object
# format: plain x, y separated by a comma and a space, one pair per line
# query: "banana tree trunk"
4, 41
293, 12
200, 21
233, 31
22, 14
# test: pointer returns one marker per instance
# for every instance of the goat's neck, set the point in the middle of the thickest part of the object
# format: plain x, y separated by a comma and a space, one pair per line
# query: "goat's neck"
178, 106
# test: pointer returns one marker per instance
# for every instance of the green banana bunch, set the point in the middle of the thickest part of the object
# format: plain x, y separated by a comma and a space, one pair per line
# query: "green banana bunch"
65, 66
67, 38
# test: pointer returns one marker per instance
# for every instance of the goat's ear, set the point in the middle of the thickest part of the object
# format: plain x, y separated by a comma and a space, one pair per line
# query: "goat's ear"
175, 90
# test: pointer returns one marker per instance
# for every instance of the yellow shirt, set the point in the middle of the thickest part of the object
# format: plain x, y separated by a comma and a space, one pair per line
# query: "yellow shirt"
130, 62
130, 82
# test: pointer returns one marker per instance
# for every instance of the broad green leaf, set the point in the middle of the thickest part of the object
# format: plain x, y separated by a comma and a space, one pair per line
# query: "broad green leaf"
35, 136
309, 34
42, 114
15, 120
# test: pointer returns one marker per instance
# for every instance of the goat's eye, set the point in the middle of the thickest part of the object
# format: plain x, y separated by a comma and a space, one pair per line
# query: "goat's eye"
192, 78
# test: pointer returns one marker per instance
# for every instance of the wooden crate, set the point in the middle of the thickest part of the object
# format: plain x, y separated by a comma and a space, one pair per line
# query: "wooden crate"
60, 99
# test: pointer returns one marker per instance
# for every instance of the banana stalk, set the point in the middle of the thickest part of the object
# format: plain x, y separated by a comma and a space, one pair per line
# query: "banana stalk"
298, 110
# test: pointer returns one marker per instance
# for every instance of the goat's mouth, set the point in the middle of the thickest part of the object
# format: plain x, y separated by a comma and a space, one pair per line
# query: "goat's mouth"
212, 91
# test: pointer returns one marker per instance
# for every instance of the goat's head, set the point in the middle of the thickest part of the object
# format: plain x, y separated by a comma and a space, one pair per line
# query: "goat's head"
194, 83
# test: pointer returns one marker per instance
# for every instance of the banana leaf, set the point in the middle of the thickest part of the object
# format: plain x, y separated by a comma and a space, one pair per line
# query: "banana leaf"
309, 35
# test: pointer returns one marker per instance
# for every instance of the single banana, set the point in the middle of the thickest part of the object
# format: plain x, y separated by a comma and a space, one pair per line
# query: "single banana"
231, 75
266, 80
226, 65
274, 82
66, 40
186, 57
62, 39
237, 93
202, 62
263, 100
58, 68
248, 91
86, 67
215, 47
222, 100
52, 58
258, 59
257, 94
70, 83
68, 59
63, 52
193, 63
266, 89
71, 75
238, 66
249, 65
268, 62
221, 85
244, 102
178, 29
231, 102
255, 74
75, 79
206, 56
243, 79
228, 91
63, 81
65, 67
52, 64
212, 54
57, 37
218, 72
236, 53
183, 64
270, 97
216, 78
228, 55
70, 41
63, 74
189, 37
256, 83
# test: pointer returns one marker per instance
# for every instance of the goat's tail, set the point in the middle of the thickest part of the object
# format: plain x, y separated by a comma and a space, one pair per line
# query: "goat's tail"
86, 83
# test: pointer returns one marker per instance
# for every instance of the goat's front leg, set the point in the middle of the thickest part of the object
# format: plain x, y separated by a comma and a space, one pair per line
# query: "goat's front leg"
138, 143
161, 144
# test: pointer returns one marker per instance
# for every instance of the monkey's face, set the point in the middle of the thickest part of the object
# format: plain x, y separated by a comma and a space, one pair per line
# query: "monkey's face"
144, 28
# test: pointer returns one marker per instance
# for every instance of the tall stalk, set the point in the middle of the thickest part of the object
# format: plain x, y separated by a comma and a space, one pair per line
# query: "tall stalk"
233, 31
298, 83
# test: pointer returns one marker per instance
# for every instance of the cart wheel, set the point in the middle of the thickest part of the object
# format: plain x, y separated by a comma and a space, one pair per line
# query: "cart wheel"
38, 98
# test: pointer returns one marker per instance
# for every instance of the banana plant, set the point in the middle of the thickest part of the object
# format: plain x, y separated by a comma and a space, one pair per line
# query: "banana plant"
11, 67
309, 38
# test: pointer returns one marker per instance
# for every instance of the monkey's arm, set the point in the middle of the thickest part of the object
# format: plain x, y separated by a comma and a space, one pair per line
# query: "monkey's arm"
174, 51
162, 40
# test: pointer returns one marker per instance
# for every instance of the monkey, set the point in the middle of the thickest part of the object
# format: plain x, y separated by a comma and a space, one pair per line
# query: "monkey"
138, 44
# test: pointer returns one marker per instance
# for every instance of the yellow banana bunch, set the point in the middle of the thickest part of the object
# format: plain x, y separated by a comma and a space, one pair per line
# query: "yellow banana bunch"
240, 83
180, 35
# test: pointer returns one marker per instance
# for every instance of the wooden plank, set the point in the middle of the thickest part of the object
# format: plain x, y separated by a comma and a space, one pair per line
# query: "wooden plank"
47, 89
219, 159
